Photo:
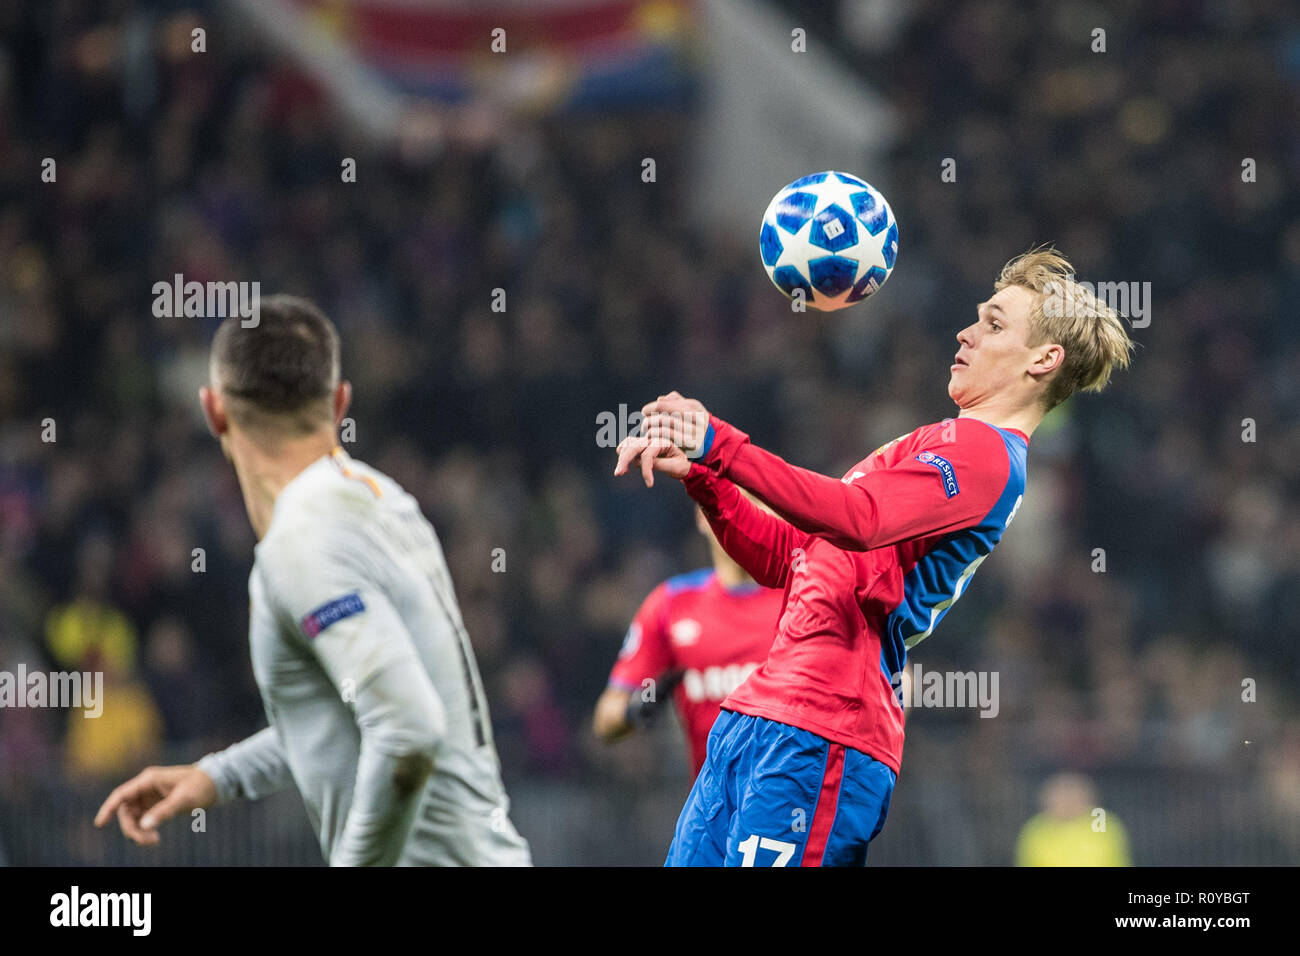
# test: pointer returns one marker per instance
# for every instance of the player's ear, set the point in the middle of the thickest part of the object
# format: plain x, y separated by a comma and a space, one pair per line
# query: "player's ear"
1047, 358
342, 400
214, 411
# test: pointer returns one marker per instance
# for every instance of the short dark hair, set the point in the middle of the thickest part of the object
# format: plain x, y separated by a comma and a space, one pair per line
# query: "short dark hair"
282, 370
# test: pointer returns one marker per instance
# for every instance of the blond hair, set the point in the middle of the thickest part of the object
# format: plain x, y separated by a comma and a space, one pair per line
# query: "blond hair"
1070, 315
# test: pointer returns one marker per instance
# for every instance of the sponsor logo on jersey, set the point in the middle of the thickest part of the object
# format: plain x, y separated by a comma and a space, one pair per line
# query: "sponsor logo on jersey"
889, 444
945, 469
685, 632
715, 683
331, 613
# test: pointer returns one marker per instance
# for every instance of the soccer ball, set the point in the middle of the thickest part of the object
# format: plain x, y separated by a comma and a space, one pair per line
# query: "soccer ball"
831, 235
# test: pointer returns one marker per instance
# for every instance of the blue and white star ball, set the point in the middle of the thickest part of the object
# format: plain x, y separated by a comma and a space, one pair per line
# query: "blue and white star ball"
832, 235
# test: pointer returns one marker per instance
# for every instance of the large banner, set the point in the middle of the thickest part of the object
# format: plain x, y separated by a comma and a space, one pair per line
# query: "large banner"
383, 58
572, 53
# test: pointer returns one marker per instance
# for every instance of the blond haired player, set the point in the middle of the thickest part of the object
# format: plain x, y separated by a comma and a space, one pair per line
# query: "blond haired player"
803, 759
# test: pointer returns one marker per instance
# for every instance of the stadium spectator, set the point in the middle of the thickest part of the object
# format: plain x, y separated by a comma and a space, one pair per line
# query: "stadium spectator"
1071, 830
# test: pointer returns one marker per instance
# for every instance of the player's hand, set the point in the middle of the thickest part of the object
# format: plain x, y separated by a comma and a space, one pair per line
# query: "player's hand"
683, 421
154, 795
656, 454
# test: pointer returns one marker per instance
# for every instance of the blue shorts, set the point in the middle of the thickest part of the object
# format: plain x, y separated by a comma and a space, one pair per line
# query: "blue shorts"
774, 795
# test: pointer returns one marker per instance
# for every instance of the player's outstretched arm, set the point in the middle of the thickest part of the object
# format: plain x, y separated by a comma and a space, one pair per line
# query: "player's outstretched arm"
881, 508
762, 543
759, 542
155, 795
885, 505
676, 428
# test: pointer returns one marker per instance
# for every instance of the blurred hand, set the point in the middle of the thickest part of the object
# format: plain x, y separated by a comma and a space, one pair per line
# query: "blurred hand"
154, 795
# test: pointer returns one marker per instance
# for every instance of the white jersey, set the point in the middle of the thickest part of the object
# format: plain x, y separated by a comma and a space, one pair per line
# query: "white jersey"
364, 667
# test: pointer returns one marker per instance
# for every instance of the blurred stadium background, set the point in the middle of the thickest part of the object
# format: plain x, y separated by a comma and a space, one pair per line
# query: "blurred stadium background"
523, 171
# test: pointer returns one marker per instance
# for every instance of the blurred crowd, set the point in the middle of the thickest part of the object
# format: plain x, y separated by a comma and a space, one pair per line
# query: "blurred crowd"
1144, 610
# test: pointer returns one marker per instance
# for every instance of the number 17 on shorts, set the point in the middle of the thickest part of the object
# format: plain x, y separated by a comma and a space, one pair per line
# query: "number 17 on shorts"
775, 795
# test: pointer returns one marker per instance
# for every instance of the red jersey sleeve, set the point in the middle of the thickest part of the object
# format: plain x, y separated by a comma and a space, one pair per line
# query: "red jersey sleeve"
761, 543
940, 479
646, 653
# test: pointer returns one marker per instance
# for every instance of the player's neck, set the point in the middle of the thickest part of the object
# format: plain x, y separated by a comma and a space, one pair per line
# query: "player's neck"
265, 466
1024, 419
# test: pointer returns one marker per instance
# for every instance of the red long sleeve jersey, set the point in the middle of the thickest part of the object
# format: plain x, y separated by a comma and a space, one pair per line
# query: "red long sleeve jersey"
870, 563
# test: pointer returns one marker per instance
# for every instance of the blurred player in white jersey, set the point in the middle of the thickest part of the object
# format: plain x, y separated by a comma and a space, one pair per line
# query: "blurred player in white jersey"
376, 708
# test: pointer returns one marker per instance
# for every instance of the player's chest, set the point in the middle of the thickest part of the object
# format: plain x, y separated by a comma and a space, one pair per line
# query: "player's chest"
825, 575
886, 456
711, 636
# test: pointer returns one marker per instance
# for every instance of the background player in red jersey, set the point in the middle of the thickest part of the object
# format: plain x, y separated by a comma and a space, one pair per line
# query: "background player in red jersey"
804, 756
697, 636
